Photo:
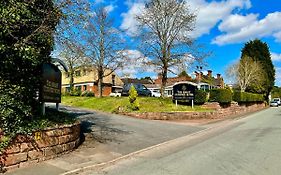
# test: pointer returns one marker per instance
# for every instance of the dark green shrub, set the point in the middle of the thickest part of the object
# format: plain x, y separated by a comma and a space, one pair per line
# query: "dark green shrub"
246, 97
200, 97
220, 95
87, 94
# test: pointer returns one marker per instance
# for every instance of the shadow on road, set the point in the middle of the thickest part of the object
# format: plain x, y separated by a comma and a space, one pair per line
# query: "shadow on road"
96, 127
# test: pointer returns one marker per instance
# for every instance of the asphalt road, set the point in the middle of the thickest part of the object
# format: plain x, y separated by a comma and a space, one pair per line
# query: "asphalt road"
107, 137
247, 146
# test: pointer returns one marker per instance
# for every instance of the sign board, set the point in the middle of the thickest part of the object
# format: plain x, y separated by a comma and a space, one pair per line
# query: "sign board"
50, 90
184, 92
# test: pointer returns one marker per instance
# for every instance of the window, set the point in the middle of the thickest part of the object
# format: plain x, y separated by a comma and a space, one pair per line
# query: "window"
84, 72
84, 87
78, 88
67, 89
78, 73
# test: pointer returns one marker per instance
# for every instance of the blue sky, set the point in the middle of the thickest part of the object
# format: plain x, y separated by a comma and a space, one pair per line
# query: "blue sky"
222, 26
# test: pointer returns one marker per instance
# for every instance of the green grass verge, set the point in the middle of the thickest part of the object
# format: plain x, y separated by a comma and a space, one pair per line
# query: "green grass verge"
110, 104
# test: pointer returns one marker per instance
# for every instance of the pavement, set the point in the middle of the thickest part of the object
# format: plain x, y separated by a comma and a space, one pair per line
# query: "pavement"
109, 137
242, 146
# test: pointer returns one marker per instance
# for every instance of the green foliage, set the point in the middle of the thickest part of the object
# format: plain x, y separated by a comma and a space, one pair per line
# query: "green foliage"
276, 92
220, 95
200, 97
75, 92
87, 94
4, 142
26, 41
259, 51
246, 97
133, 94
184, 74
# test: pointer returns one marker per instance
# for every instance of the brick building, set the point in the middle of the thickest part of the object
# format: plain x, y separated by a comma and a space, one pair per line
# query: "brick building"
86, 79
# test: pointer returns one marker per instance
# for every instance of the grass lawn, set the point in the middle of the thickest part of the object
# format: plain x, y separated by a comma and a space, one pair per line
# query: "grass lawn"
109, 104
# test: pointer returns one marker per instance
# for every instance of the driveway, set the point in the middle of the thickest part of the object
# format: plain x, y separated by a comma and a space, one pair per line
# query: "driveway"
109, 136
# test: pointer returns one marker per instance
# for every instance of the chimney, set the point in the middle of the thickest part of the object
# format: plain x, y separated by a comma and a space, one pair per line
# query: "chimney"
197, 75
218, 76
210, 73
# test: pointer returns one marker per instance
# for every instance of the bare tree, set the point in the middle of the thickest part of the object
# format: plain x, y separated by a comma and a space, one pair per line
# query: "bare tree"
103, 45
166, 25
245, 72
67, 37
73, 57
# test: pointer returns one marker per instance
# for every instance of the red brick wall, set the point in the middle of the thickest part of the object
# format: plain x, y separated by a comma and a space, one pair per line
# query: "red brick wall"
219, 112
43, 145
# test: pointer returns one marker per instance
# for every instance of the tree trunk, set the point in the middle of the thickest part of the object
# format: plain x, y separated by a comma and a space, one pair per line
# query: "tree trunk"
71, 80
100, 83
164, 81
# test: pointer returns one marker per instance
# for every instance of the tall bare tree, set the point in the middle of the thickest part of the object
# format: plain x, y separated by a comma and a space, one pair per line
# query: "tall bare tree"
245, 72
165, 35
67, 38
103, 44
73, 57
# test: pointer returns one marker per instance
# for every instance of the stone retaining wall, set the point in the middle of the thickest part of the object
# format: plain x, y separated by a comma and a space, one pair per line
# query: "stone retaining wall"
217, 113
43, 145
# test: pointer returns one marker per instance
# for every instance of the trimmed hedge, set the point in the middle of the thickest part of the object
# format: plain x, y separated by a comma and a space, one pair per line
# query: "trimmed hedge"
220, 95
246, 97
200, 97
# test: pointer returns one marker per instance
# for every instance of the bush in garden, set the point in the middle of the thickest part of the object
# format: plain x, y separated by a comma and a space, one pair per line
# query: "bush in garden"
87, 94
220, 95
133, 94
75, 92
200, 97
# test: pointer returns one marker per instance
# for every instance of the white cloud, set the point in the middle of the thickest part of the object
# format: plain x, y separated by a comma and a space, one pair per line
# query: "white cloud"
269, 26
277, 36
208, 14
129, 22
275, 57
234, 23
135, 61
109, 8
278, 76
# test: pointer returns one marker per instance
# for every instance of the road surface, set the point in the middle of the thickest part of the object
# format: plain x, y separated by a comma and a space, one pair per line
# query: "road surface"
247, 146
107, 137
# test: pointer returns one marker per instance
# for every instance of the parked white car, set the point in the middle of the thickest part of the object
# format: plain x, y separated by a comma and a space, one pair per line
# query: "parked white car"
115, 94
277, 100
155, 93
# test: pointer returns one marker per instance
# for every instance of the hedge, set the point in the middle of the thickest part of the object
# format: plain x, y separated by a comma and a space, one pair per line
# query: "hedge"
200, 97
246, 97
220, 95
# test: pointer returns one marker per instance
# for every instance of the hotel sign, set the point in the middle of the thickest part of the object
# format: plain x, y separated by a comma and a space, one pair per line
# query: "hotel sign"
50, 90
184, 92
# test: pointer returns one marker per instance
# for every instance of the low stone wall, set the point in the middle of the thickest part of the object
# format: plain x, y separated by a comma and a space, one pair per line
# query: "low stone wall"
217, 113
42, 145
